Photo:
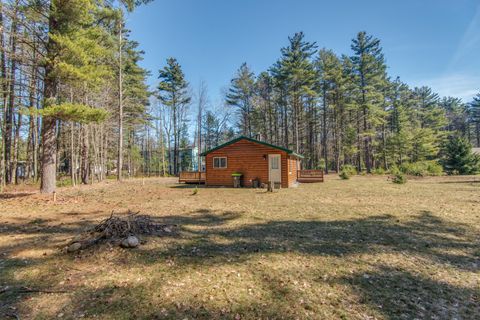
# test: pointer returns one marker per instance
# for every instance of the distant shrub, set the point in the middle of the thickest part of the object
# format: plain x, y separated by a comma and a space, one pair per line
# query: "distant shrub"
344, 175
321, 164
422, 168
347, 171
379, 171
64, 182
351, 170
399, 178
195, 191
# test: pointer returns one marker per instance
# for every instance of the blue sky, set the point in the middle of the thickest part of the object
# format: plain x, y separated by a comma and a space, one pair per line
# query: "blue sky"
426, 42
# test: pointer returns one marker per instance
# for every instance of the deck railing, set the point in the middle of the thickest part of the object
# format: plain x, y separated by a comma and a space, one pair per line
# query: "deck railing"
310, 175
191, 177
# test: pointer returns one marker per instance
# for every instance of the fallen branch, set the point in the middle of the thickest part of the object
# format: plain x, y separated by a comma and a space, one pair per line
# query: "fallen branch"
118, 228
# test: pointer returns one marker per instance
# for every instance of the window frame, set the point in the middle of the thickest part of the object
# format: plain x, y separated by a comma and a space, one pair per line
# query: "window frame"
276, 161
220, 162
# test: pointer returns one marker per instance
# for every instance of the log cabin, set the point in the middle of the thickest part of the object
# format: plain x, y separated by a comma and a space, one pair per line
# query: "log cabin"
256, 161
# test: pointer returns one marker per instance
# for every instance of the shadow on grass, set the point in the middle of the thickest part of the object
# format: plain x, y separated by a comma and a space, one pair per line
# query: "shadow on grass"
188, 186
399, 294
134, 303
14, 195
206, 238
425, 235
473, 181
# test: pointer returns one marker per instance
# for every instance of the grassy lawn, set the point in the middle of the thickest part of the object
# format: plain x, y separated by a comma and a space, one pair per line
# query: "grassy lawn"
358, 249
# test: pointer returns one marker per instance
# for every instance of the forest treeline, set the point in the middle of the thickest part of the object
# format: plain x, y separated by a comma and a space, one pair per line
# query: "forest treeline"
75, 105
345, 109
72, 90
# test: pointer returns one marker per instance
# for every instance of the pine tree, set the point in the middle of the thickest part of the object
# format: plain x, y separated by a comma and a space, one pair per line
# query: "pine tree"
428, 120
474, 117
458, 157
399, 140
370, 79
456, 113
331, 81
72, 51
240, 95
264, 111
295, 68
173, 93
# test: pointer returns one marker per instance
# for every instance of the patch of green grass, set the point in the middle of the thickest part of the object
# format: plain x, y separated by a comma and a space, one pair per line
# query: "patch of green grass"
64, 182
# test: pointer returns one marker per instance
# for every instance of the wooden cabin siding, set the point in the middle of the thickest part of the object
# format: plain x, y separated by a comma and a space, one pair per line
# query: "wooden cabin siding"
292, 170
245, 157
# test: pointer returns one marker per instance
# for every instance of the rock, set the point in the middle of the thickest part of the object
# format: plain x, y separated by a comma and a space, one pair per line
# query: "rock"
124, 244
133, 241
130, 242
77, 238
74, 247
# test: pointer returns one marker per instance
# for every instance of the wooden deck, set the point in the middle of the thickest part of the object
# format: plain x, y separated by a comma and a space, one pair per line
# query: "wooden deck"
306, 176
303, 176
191, 177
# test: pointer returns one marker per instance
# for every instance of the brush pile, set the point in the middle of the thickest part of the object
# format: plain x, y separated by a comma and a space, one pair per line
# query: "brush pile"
122, 230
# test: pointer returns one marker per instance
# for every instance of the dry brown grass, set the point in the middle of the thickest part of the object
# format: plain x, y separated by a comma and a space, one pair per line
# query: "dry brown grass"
358, 249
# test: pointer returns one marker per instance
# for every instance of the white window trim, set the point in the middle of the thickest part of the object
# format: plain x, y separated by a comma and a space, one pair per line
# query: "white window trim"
226, 163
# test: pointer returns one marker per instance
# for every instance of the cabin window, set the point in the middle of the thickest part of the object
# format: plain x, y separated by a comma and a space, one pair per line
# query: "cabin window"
220, 162
274, 164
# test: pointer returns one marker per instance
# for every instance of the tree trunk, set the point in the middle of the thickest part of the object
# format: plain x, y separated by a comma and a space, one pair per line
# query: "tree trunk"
477, 133
16, 149
324, 137
49, 154
9, 114
359, 145
162, 150
49, 143
73, 167
120, 108
32, 134
175, 142
3, 75
85, 158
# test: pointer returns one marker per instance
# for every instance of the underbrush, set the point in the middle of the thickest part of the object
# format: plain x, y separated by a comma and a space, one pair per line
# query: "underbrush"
422, 168
347, 171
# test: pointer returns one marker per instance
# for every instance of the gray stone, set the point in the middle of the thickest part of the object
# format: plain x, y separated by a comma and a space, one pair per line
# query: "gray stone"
74, 247
130, 242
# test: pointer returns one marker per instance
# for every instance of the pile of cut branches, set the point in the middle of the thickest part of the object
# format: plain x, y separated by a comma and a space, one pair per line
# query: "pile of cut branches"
121, 230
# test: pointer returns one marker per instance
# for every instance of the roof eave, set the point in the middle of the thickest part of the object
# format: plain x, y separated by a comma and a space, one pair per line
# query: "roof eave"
290, 152
297, 155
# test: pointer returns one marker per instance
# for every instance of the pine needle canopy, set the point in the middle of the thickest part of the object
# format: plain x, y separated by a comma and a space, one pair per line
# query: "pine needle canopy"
73, 112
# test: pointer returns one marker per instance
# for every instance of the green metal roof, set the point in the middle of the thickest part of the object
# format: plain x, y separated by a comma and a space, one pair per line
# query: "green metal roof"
288, 151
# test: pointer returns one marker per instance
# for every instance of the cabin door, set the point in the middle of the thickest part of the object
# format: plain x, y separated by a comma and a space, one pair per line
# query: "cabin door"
274, 168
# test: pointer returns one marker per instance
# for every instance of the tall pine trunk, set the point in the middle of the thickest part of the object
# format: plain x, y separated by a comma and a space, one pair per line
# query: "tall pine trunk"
3, 75
16, 148
49, 138
120, 107
324, 136
10, 110
85, 170
73, 165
